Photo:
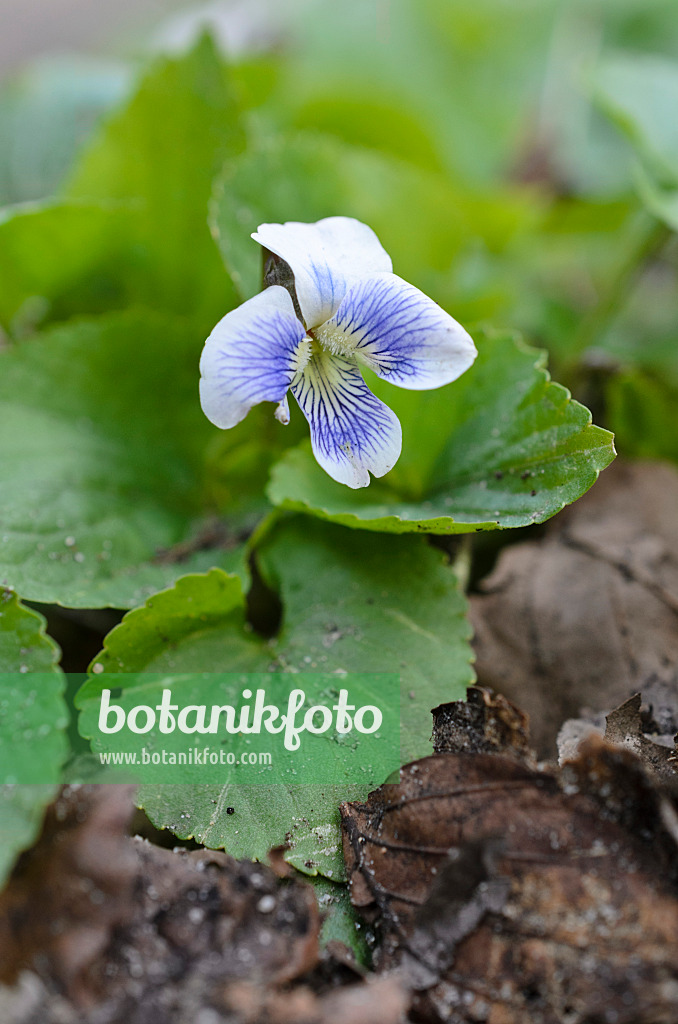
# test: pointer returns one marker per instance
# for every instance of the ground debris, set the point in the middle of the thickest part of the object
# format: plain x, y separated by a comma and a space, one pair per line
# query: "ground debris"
588, 615
630, 793
642, 725
70, 892
624, 726
97, 928
484, 723
505, 894
378, 1001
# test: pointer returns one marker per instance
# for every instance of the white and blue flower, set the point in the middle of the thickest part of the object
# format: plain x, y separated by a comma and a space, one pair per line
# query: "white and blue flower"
356, 312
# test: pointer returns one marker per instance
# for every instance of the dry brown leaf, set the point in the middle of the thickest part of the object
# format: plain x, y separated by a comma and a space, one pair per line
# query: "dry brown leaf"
624, 727
630, 793
588, 615
505, 899
71, 890
646, 728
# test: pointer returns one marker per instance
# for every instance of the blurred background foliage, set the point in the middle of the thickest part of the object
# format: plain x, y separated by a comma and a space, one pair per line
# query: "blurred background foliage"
483, 139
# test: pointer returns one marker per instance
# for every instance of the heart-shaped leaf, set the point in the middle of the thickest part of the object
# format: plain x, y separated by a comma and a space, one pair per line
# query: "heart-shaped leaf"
501, 447
350, 603
162, 151
102, 445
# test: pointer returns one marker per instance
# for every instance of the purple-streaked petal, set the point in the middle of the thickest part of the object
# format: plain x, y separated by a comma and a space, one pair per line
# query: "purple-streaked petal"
326, 258
405, 337
353, 433
251, 356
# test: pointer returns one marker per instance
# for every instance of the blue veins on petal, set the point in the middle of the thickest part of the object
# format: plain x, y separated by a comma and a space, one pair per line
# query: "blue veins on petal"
251, 356
405, 337
353, 433
355, 311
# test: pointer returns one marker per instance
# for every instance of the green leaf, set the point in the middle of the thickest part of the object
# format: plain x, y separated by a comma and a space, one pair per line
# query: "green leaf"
22, 810
341, 922
660, 201
306, 818
58, 256
466, 70
642, 407
640, 93
205, 609
132, 228
306, 177
162, 151
371, 122
32, 722
350, 602
501, 447
24, 644
367, 604
102, 459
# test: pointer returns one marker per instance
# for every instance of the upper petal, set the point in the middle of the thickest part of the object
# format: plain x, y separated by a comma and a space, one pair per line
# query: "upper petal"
251, 356
401, 334
353, 433
326, 258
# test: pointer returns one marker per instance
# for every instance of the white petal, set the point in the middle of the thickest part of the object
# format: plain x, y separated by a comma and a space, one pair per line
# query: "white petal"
401, 334
326, 258
282, 412
251, 356
353, 433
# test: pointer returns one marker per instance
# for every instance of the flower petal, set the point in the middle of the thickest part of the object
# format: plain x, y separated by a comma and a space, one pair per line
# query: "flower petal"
326, 258
401, 334
251, 356
282, 412
353, 433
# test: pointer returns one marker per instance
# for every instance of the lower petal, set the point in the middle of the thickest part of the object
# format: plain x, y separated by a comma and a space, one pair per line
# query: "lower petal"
405, 337
251, 356
353, 433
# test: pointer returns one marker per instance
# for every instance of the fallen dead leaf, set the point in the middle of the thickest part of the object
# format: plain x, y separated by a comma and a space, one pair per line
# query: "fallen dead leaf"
631, 793
624, 727
631, 725
588, 616
72, 889
504, 898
